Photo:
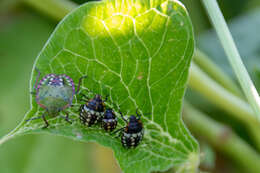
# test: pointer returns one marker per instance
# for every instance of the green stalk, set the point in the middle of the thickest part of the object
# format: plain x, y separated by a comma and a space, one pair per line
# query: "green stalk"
222, 138
219, 96
57, 9
216, 72
233, 54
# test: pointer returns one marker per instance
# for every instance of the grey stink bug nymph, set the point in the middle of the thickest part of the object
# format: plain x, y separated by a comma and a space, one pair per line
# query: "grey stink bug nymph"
132, 133
54, 93
92, 112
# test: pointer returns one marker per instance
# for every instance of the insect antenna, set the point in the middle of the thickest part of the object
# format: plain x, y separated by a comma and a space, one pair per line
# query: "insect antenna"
118, 130
37, 78
80, 80
139, 115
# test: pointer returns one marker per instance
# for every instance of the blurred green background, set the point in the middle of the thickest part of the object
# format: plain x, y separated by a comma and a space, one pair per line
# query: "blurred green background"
23, 32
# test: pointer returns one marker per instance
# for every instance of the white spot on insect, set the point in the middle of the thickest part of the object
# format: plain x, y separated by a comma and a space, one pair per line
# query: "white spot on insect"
86, 108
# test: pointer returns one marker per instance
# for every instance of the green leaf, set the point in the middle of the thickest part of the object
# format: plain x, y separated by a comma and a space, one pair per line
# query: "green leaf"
138, 53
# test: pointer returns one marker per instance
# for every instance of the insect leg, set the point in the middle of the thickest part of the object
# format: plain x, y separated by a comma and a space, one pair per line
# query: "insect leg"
123, 116
118, 130
46, 122
106, 98
34, 118
120, 134
80, 80
66, 117
83, 97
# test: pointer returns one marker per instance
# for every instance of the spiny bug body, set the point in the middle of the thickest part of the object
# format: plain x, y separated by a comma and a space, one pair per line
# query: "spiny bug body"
132, 133
92, 112
109, 121
54, 93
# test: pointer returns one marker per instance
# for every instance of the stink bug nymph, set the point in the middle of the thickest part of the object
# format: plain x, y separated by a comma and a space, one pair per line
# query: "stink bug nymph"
132, 133
54, 93
109, 120
92, 112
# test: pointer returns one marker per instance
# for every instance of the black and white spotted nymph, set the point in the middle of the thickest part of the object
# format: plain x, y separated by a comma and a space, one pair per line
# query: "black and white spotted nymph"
132, 133
109, 121
92, 112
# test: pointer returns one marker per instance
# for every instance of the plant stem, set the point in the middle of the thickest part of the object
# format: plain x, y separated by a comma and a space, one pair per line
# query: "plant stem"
218, 95
57, 9
223, 138
216, 73
205, 85
232, 54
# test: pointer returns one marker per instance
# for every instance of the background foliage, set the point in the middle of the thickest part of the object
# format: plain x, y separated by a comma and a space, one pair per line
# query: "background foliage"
23, 31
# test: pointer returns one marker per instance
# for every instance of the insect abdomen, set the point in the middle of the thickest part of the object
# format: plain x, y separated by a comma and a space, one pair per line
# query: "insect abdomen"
109, 124
131, 140
88, 116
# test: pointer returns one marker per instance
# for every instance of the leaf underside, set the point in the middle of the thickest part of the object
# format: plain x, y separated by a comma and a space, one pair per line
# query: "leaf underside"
138, 53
